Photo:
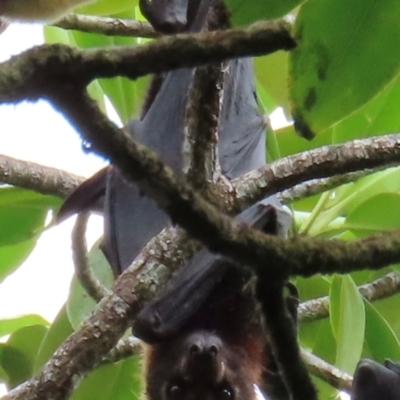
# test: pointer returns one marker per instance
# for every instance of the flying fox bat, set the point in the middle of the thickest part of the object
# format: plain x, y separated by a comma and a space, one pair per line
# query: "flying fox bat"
374, 381
206, 332
131, 218
207, 336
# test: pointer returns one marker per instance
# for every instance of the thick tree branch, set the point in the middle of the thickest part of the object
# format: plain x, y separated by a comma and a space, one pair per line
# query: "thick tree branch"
83, 271
381, 288
34, 73
45, 180
322, 162
107, 26
202, 125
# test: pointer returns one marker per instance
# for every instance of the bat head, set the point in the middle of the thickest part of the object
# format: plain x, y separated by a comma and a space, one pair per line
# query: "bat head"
373, 381
199, 367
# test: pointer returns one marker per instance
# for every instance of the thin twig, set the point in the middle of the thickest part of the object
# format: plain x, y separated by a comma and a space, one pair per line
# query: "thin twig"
327, 372
317, 186
107, 26
45, 180
123, 349
381, 288
83, 271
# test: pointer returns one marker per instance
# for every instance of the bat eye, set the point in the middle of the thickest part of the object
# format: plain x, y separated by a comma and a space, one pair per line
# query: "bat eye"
226, 394
175, 391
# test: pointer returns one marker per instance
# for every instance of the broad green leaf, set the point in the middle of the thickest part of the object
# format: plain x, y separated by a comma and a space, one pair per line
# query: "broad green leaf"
107, 7
324, 390
347, 316
376, 214
59, 330
10, 325
378, 117
22, 214
272, 75
80, 305
381, 339
347, 52
15, 366
118, 381
125, 95
19, 353
11, 257
54, 35
313, 287
343, 200
290, 143
3, 374
246, 12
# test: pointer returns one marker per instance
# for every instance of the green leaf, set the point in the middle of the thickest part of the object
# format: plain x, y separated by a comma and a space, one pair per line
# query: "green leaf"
378, 117
249, 11
290, 143
340, 61
11, 257
19, 353
107, 7
347, 316
374, 215
343, 200
118, 381
22, 214
59, 330
124, 94
10, 325
272, 74
80, 305
381, 339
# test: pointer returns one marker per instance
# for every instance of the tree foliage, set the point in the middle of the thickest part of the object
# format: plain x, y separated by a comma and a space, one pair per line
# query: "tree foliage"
340, 84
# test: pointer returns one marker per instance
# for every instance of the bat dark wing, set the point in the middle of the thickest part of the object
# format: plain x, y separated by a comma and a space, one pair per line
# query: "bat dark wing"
242, 128
85, 196
373, 381
131, 219
194, 282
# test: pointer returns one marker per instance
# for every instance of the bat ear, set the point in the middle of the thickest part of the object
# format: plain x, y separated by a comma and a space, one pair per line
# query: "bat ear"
166, 16
395, 367
269, 216
85, 196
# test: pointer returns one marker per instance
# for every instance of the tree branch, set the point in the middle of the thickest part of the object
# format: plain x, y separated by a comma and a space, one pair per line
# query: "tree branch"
123, 349
45, 180
381, 288
107, 26
327, 372
202, 125
322, 162
317, 186
83, 271
42, 68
